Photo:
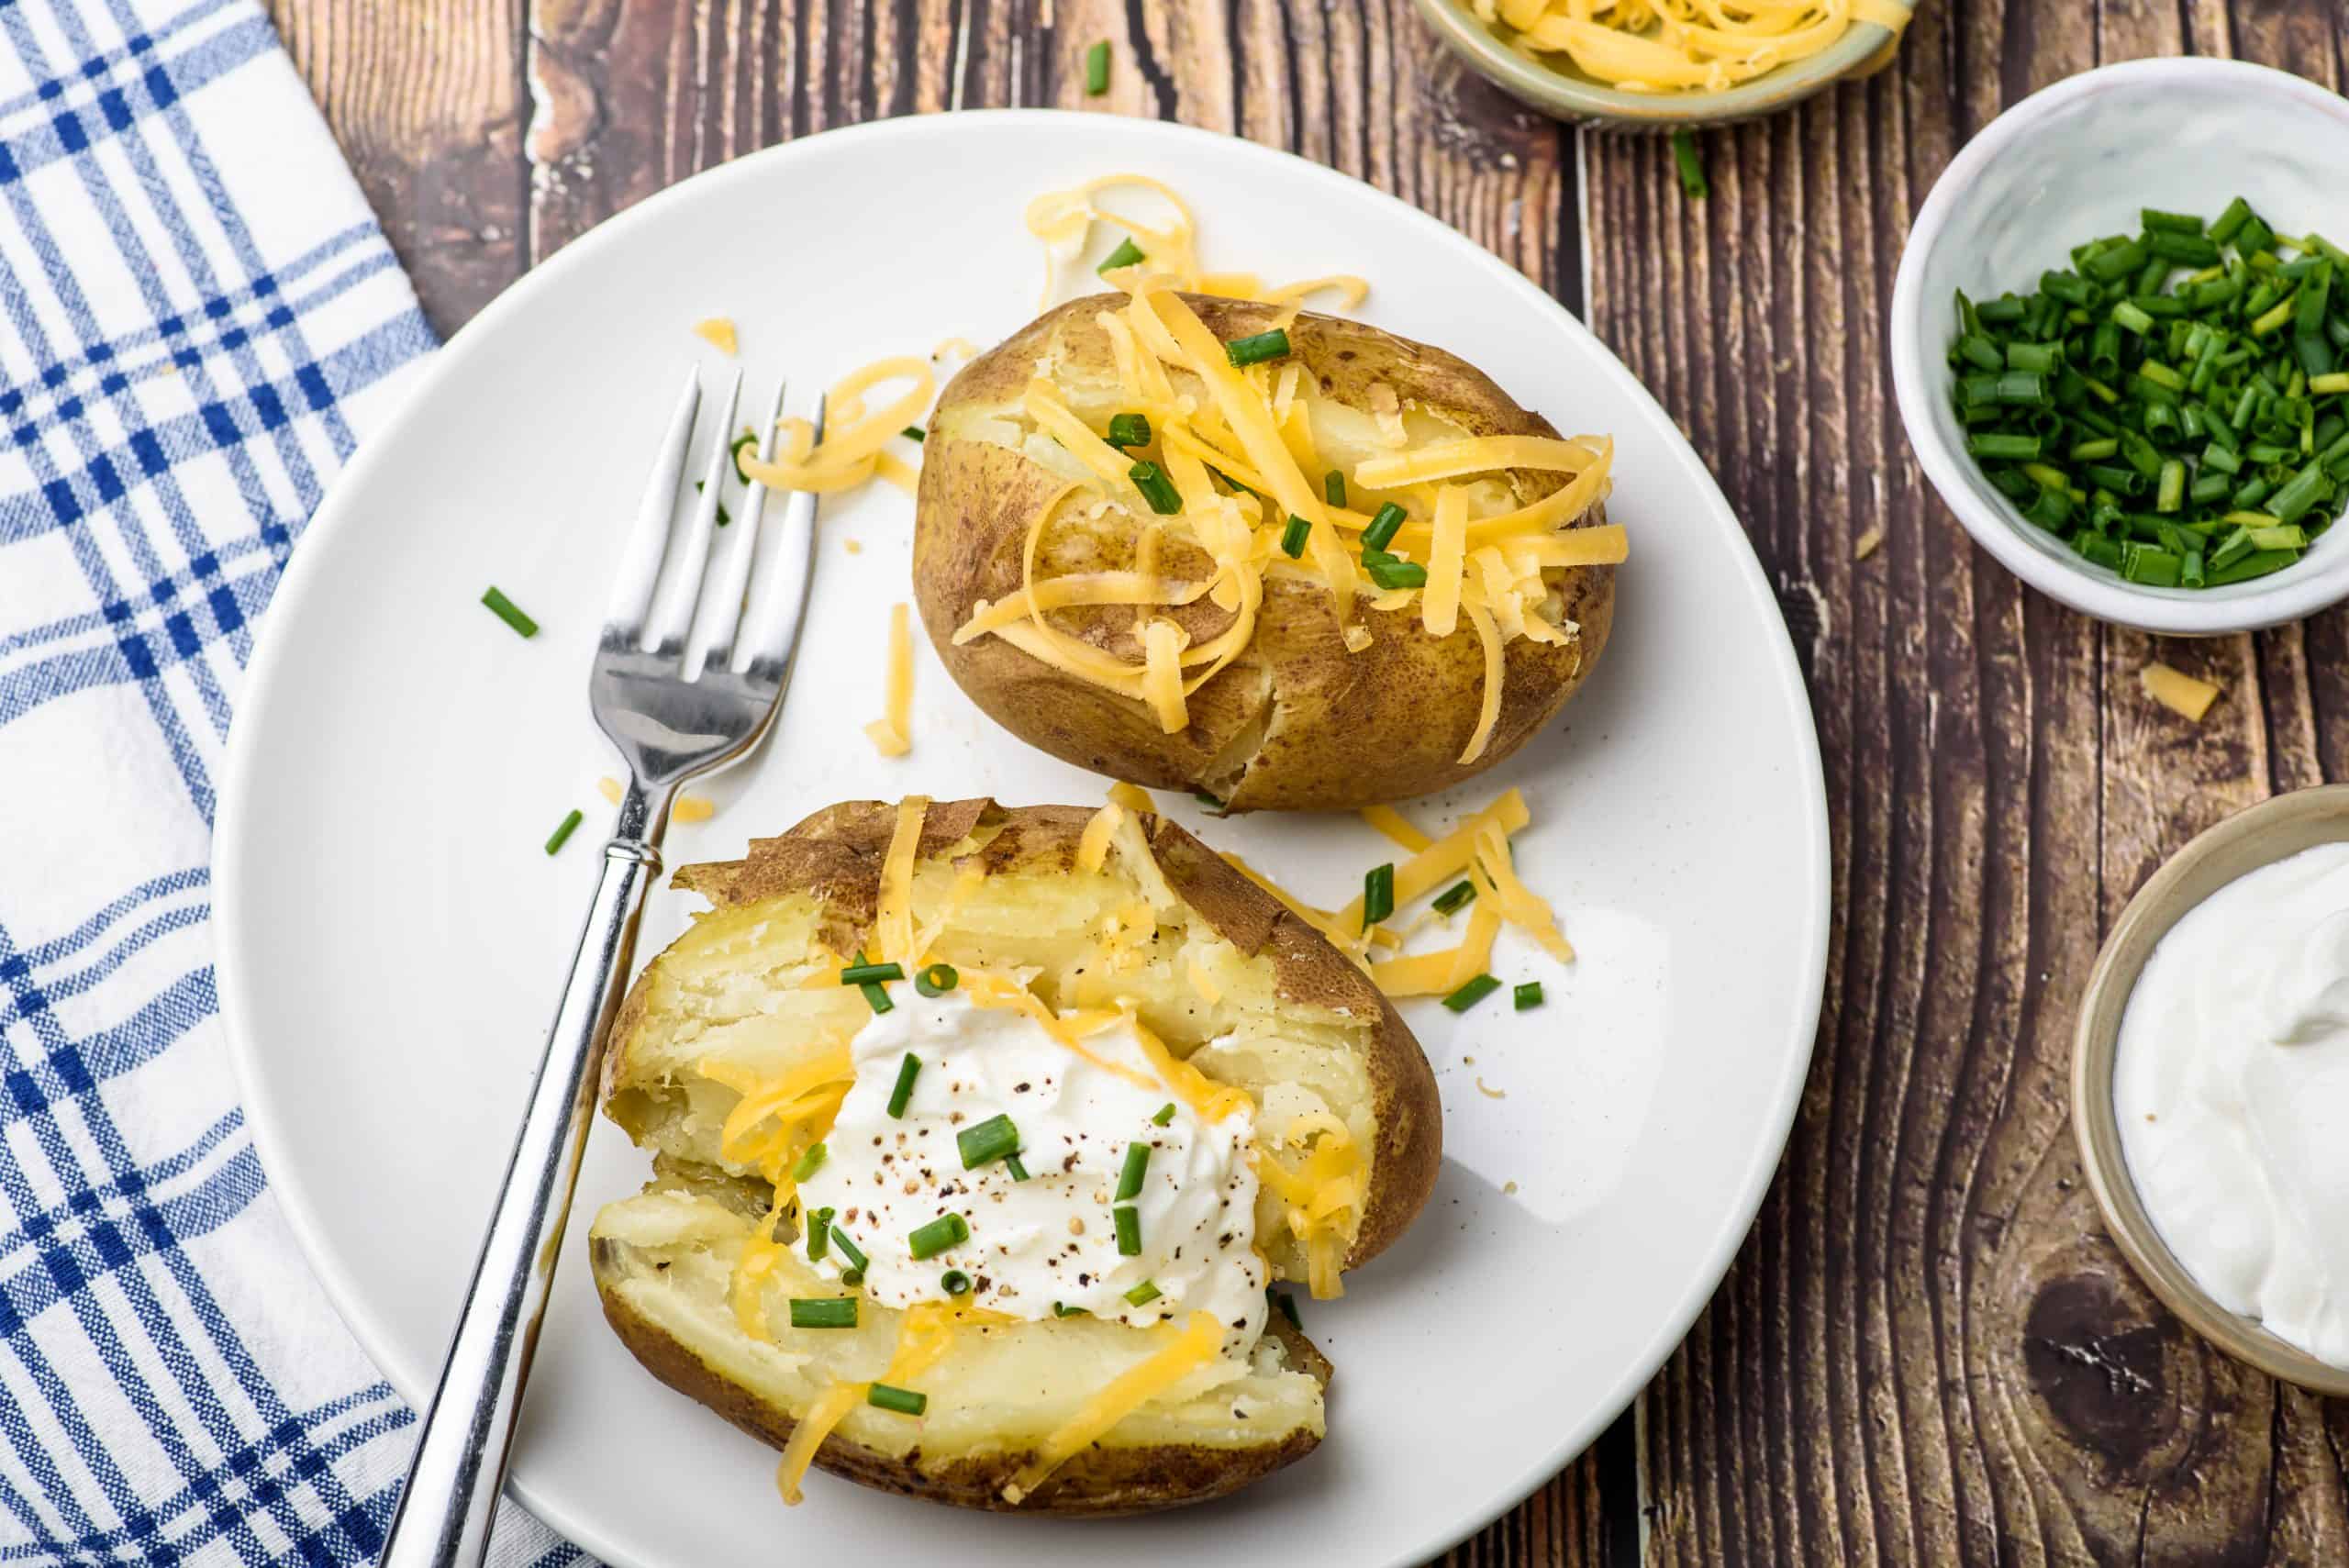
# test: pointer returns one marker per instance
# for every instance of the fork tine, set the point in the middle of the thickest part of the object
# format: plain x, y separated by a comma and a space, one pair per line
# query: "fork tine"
672, 607
648, 541
720, 614
779, 594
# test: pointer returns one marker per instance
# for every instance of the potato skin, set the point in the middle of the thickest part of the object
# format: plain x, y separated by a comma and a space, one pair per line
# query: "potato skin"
1296, 722
1101, 1482
836, 854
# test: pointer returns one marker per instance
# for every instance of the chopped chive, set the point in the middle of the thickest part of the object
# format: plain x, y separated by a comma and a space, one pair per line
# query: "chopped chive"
819, 1233
1529, 995
1164, 1115
852, 1277
1142, 1294
1693, 183
875, 996
868, 974
1011, 1163
808, 1163
1156, 488
915, 433
563, 832
928, 1241
823, 1312
752, 441
902, 1093
954, 1282
1287, 1305
1203, 798
1476, 991
990, 1140
504, 609
1377, 895
1129, 430
1333, 488
1294, 536
904, 1401
857, 1260
1383, 527
936, 979
1453, 898
1257, 348
1127, 1220
1096, 69
1126, 255
1062, 1309
1388, 573
1136, 1169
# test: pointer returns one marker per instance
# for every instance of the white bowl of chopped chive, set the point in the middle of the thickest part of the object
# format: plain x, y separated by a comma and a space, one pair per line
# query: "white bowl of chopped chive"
2121, 343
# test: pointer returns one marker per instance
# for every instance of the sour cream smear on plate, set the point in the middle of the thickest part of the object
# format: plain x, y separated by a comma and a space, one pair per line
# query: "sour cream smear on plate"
2230, 1084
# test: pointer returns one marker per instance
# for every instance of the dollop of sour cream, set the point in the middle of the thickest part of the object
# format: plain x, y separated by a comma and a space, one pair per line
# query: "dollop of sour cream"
2232, 1086
1053, 1238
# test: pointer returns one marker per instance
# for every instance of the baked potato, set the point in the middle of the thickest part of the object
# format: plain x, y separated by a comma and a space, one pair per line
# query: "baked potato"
1300, 583
1189, 1094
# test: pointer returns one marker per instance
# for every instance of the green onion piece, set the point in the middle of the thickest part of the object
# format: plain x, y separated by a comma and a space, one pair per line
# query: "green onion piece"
857, 1260
747, 440
1383, 527
946, 1231
1141, 1294
1287, 1305
1011, 1163
1476, 991
1203, 798
808, 1163
868, 974
1129, 430
1528, 994
904, 1401
1333, 488
1128, 1222
1377, 895
819, 1233
1061, 1311
1693, 183
2133, 315
902, 1093
936, 979
1096, 69
2171, 495
563, 832
875, 996
915, 433
1294, 535
1156, 488
823, 1312
2237, 213
2154, 219
1388, 573
988, 1141
2329, 383
1453, 898
1126, 255
1164, 1115
1137, 1166
954, 1282
1257, 348
2001, 444
503, 608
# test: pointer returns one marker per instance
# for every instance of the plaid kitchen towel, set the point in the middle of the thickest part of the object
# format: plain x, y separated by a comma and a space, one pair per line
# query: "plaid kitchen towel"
198, 321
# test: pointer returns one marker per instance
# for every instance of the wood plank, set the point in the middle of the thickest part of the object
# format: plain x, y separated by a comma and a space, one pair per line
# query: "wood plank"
426, 100
1928, 1351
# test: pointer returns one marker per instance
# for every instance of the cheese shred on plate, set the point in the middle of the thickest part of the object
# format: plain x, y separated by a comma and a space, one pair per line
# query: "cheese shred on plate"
892, 733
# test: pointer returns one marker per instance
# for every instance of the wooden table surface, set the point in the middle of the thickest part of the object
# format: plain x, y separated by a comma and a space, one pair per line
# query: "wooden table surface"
1928, 1352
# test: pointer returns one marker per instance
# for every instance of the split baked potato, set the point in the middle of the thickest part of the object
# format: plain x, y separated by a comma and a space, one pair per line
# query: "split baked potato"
745, 1063
1246, 619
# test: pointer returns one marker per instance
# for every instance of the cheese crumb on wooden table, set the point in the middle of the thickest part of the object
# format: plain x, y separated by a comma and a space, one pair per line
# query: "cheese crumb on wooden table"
2177, 690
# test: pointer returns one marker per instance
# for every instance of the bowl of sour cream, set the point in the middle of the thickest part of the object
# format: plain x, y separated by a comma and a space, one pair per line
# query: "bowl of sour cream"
2211, 1085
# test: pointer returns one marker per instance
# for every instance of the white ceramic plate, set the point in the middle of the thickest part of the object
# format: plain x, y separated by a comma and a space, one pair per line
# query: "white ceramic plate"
391, 936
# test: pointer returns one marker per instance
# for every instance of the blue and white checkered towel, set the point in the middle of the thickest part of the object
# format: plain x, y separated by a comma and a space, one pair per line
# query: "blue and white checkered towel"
198, 321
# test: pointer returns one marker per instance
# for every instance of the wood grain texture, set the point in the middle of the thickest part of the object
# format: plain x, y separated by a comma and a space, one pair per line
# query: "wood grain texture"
1928, 1351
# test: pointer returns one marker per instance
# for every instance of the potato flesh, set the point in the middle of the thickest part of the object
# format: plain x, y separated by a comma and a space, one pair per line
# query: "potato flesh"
734, 989
1001, 1387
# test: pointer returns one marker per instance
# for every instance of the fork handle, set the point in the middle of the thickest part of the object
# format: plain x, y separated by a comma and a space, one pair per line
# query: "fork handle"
446, 1510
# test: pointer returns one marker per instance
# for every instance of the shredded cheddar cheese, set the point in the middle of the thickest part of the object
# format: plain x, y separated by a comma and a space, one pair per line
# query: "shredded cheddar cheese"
1133, 799
1392, 823
1093, 844
1667, 46
718, 331
892, 734
893, 920
1180, 1352
856, 434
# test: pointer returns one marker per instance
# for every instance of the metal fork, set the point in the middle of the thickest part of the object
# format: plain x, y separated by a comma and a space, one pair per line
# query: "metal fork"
673, 712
